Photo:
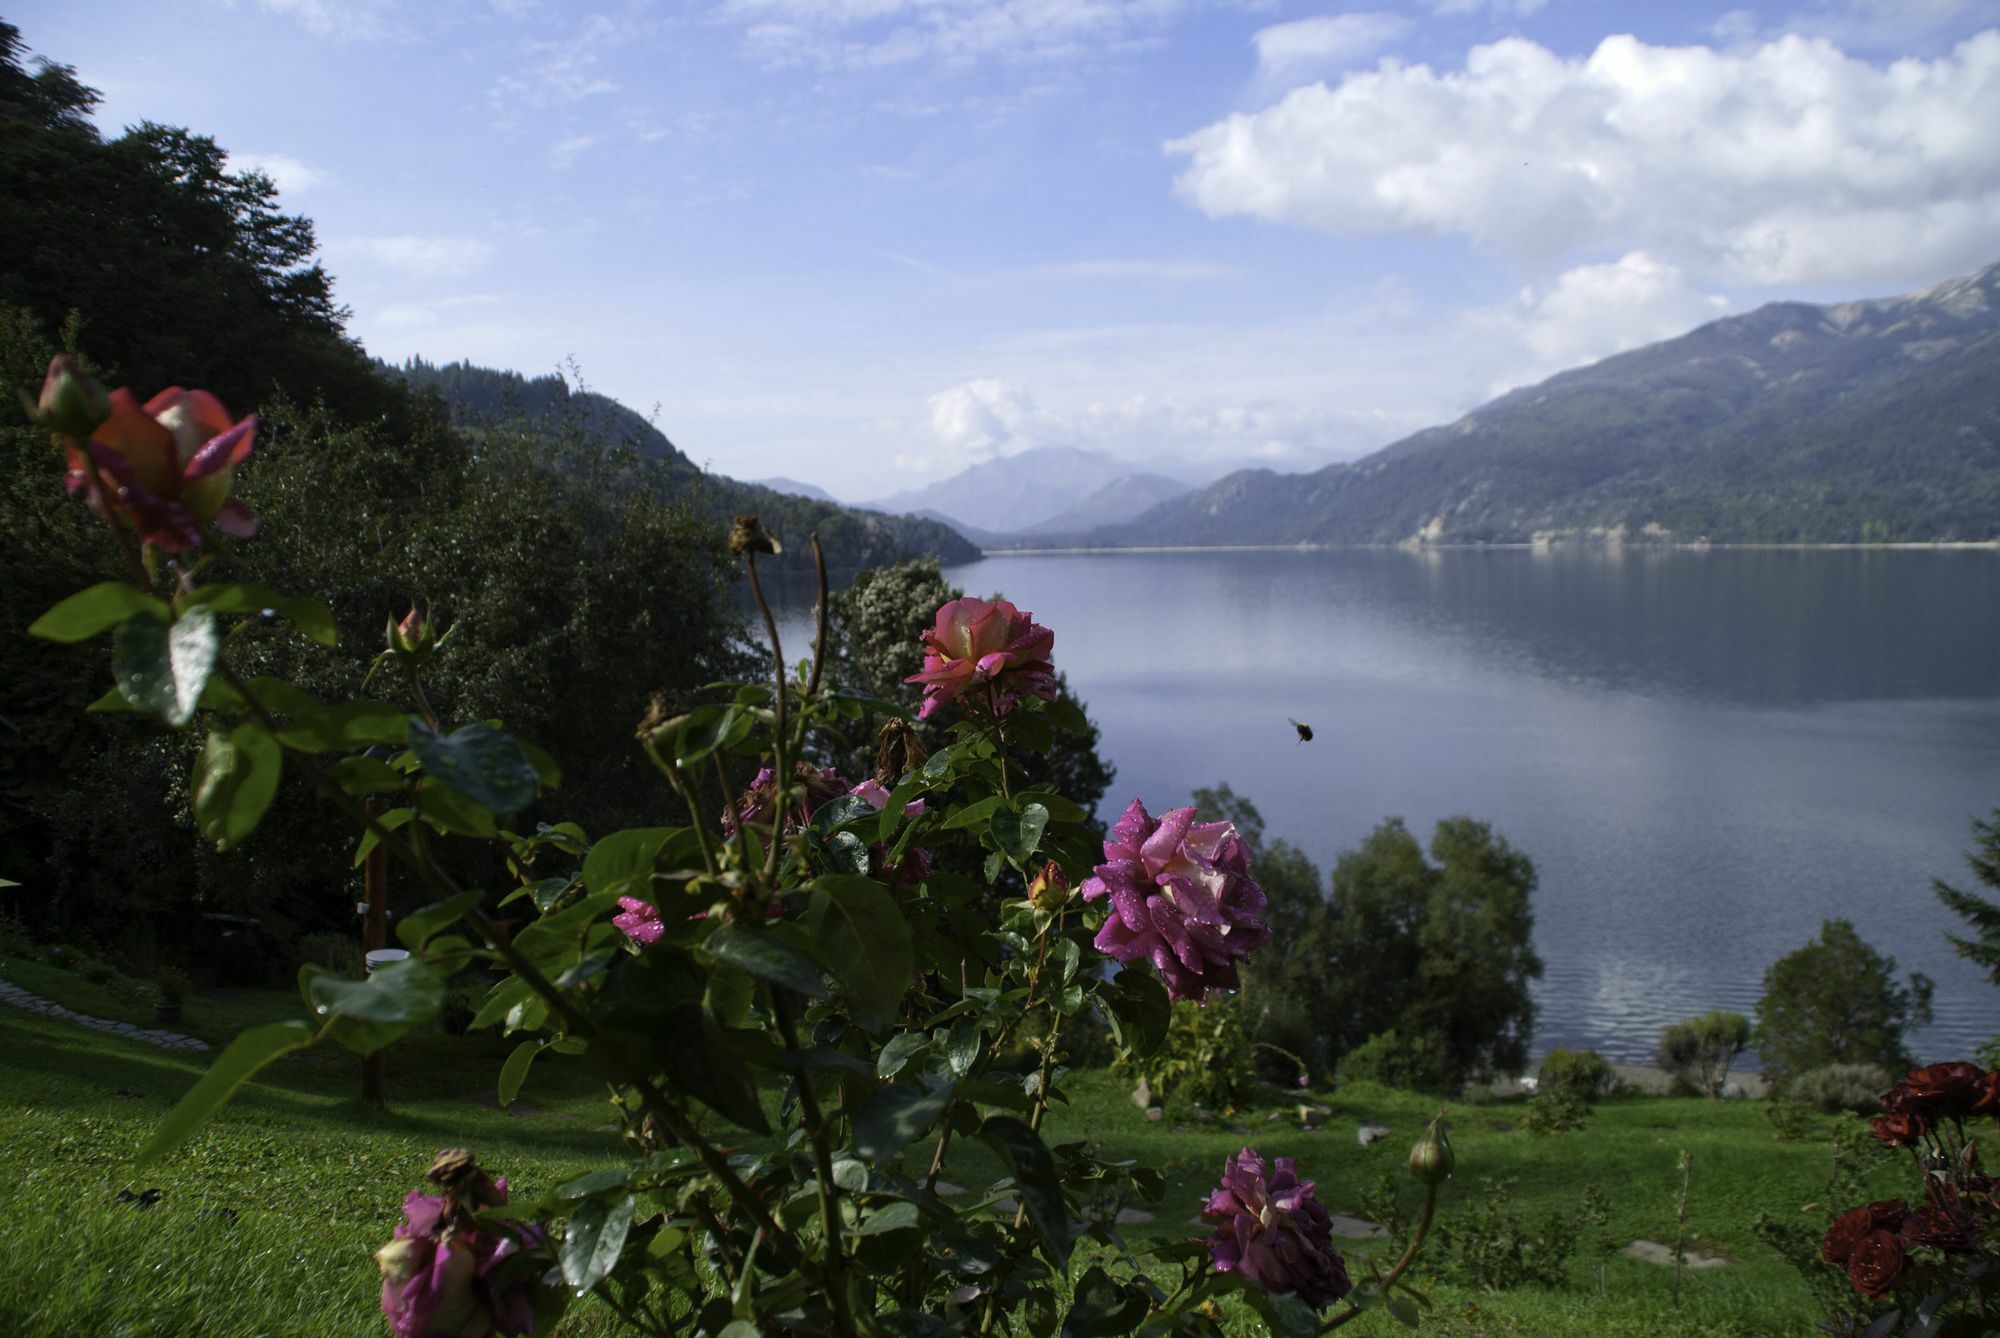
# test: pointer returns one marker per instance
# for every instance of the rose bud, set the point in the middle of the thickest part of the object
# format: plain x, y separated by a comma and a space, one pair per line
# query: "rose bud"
414, 638
1049, 890
72, 403
748, 535
1431, 1160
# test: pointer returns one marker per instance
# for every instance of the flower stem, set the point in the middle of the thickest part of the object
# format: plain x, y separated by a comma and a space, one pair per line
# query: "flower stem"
835, 1274
780, 770
820, 613
1408, 1257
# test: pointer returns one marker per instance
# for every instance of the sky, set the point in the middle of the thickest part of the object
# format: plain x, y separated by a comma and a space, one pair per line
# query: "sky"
867, 243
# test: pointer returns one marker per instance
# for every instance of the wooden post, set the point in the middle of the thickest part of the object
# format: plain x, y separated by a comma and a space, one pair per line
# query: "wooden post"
375, 934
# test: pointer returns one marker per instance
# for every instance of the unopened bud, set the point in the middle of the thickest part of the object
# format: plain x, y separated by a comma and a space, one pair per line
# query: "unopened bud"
1431, 1160
660, 728
899, 750
1049, 890
748, 535
413, 637
72, 404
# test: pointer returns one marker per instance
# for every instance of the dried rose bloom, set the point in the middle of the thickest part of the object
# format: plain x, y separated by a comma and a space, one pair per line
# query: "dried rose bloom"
1270, 1228
1181, 897
445, 1273
989, 654
753, 806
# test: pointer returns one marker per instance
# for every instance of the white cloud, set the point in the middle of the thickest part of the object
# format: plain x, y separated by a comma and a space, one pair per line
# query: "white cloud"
563, 152
291, 176
560, 72
356, 19
1788, 163
1325, 42
429, 256
1870, 25
868, 34
1498, 8
982, 418
1592, 312
408, 316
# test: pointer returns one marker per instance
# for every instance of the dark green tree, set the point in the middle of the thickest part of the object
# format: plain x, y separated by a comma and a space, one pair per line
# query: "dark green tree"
1981, 916
1837, 1001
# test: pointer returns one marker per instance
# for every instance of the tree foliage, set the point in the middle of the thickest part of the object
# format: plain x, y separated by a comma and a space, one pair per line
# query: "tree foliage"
1699, 1050
1837, 1001
1981, 916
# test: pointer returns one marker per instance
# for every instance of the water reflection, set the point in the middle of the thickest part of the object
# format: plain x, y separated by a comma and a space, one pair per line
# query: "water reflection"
1705, 753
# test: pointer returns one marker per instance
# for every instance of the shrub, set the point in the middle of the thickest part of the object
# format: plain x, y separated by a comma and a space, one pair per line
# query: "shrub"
1489, 1246
1417, 1063
1206, 1060
1836, 1001
174, 984
1699, 1051
1555, 1110
335, 952
1582, 1074
1833, 1088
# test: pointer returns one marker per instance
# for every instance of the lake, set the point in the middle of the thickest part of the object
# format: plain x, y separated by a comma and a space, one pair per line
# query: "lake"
1705, 753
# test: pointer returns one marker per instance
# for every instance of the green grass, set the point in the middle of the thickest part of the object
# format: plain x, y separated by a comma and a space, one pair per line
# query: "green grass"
269, 1216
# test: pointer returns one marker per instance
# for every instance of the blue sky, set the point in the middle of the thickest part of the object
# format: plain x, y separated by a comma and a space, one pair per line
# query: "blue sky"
866, 243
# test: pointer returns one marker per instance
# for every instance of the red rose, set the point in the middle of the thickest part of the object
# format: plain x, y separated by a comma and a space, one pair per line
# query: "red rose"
1900, 1131
1986, 1098
1850, 1227
1936, 1227
1877, 1263
1940, 1089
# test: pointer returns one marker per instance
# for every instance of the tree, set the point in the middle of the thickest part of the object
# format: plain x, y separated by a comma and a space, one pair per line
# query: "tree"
1836, 1001
1699, 1050
1980, 915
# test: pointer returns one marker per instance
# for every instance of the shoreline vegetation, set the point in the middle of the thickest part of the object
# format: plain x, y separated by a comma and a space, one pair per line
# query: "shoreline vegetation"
1990, 545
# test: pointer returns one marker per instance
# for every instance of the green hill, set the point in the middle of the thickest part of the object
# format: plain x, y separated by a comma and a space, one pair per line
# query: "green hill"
1861, 421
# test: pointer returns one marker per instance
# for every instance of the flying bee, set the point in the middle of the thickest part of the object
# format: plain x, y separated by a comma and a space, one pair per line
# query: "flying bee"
1305, 730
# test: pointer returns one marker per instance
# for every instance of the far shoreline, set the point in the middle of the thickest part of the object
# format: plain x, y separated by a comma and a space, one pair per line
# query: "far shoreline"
1954, 545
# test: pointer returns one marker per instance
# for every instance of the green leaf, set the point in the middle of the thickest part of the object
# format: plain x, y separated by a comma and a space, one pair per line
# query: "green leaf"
892, 1217
308, 615
860, 929
1285, 1316
275, 694
1019, 834
248, 1053
767, 957
731, 1088
961, 1047
1100, 1307
347, 727
515, 1071
365, 1015
110, 703
449, 811
1139, 1011
1404, 1310
709, 728
895, 1115
974, 813
87, 612
901, 1049
622, 863
162, 670
1035, 1180
390, 821
595, 1239
416, 928
359, 775
839, 811
1061, 809
845, 853
481, 762
234, 782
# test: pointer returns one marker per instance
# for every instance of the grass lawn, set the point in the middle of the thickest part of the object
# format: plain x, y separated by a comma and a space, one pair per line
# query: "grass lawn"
268, 1217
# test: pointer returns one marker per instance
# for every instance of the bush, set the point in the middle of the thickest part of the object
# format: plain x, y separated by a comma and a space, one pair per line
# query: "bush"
174, 984
1836, 1001
1698, 1052
1555, 1110
335, 952
1487, 1245
1832, 1088
1583, 1074
1416, 1063
1206, 1060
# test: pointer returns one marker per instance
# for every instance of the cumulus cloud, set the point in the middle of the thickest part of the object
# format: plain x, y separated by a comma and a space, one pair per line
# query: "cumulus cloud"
982, 418
291, 176
426, 256
865, 34
1787, 163
1592, 312
560, 72
1324, 42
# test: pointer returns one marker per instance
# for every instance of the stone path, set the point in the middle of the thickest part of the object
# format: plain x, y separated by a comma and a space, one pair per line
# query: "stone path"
172, 1040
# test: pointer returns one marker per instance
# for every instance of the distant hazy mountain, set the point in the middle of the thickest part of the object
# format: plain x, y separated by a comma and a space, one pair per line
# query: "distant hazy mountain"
1014, 492
482, 397
1872, 420
1124, 498
779, 483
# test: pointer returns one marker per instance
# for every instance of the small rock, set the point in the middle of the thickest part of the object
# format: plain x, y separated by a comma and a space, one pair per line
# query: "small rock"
1734, 1091
1652, 1252
1275, 1117
1371, 1133
1156, 1113
946, 1188
1204, 1116
1355, 1228
1142, 1095
1126, 1216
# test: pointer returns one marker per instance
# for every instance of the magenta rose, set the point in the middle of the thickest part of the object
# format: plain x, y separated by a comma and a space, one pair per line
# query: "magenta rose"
754, 805
991, 654
1270, 1228
443, 1274
1181, 897
165, 467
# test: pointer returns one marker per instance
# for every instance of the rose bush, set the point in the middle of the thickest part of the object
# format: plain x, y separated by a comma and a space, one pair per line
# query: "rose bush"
804, 1020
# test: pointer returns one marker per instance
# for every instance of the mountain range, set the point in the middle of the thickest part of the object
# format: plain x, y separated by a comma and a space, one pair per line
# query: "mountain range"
1046, 490
1865, 421
480, 398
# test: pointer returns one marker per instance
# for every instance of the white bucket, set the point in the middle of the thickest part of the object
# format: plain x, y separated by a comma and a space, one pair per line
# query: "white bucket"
384, 957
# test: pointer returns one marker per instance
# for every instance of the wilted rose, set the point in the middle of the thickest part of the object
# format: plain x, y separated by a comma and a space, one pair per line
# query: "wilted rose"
990, 654
1950, 1089
1938, 1227
1900, 1131
445, 1274
1181, 897
1271, 1228
166, 467
814, 786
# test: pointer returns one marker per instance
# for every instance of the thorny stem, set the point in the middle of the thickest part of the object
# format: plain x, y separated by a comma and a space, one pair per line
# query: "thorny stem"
1409, 1257
835, 1280
999, 737
781, 770
820, 611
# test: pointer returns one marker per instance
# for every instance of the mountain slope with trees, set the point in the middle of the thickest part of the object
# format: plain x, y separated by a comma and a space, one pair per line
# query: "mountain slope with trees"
1864, 421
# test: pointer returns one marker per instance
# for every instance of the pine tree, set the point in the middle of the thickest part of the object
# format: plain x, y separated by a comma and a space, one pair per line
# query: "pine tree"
1981, 915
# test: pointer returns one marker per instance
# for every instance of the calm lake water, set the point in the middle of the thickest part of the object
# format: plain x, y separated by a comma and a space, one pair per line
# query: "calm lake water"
1705, 754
